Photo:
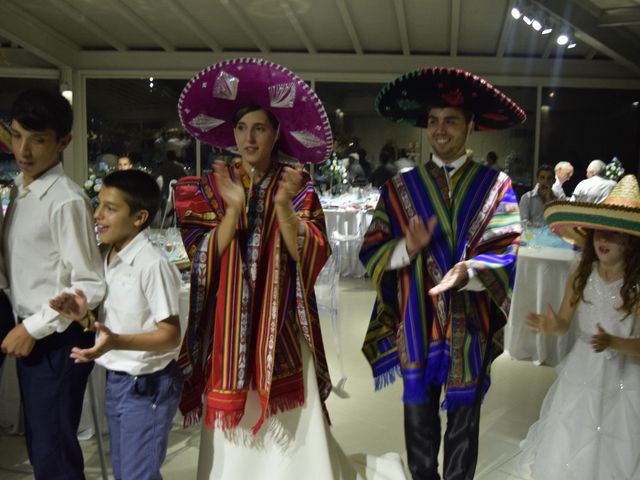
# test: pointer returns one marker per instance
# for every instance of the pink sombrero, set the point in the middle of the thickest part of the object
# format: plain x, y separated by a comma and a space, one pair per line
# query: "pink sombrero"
209, 100
407, 98
619, 212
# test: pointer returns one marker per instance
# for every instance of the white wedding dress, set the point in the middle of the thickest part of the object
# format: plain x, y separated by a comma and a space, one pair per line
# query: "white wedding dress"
293, 445
589, 426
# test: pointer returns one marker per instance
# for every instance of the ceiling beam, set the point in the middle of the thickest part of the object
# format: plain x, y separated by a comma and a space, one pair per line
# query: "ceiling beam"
22, 28
455, 28
615, 46
505, 32
297, 26
370, 67
140, 23
348, 23
620, 17
401, 18
192, 24
591, 54
244, 24
79, 16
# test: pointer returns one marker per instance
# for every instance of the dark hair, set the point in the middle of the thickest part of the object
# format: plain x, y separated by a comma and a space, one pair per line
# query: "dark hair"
242, 111
630, 291
38, 109
140, 191
544, 168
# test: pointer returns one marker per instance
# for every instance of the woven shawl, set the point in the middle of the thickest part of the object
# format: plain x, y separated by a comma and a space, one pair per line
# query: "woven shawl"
441, 340
244, 335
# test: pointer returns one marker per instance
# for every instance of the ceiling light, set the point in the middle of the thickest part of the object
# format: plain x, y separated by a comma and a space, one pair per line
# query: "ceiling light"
635, 104
547, 31
572, 45
562, 39
537, 26
527, 20
516, 13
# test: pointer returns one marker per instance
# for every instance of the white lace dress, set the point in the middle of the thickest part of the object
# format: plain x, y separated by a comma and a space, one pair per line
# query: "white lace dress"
589, 426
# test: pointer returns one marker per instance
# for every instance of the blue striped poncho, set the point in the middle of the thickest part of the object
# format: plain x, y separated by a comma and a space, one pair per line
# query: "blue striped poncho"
441, 340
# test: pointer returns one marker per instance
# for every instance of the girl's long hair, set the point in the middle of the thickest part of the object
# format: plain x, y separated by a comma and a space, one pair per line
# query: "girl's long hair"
630, 291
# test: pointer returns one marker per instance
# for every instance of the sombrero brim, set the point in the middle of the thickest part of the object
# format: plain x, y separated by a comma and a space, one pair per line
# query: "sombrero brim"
5, 139
209, 100
407, 98
571, 220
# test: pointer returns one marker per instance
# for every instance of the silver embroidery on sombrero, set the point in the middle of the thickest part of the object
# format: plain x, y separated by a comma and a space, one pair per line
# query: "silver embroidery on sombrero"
226, 86
282, 95
307, 139
205, 122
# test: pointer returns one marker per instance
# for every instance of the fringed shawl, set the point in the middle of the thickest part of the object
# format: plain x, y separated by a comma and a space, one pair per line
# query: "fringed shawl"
441, 340
243, 335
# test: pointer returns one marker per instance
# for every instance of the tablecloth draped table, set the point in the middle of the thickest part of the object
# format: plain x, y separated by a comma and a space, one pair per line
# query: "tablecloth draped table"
541, 276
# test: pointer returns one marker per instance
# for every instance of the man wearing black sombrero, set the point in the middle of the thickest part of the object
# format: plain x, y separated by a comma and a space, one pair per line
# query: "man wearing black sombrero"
441, 250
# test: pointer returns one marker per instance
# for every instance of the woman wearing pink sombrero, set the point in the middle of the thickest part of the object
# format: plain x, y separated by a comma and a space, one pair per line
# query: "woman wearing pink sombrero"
257, 240
589, 426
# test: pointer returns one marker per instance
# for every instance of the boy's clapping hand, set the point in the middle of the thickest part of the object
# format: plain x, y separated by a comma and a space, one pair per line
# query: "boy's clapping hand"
71, 305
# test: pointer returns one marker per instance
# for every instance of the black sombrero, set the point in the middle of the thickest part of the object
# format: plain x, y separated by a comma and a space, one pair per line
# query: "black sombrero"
407, 99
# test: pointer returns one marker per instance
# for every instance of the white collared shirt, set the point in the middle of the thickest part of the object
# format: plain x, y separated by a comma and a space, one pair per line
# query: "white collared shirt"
50, 247
4, 285
400, 257
593, 190
143, 289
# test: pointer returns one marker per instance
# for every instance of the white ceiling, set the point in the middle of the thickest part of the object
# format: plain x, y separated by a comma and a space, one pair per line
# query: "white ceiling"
346, 40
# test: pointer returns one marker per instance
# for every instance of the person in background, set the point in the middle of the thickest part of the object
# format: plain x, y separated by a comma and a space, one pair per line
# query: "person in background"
139, 330
595, 188
533, 202
403, 163
563, 172
384, 171
441, 250
492, 161
124, 163
49, 247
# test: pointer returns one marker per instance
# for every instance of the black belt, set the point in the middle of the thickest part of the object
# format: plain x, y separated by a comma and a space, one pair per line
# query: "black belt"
146, 375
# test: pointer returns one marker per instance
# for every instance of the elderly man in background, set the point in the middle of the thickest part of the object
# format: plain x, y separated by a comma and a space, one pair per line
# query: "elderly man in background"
595, 188
533, 202
564, 171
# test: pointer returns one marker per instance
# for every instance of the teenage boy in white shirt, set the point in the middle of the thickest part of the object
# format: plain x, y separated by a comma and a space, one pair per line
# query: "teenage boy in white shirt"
49, 247
140, 332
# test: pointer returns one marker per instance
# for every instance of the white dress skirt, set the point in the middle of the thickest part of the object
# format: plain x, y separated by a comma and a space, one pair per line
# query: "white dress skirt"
589, 426
293, 445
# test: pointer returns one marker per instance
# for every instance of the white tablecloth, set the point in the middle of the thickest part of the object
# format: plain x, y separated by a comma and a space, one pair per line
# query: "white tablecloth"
541, 275
346, 228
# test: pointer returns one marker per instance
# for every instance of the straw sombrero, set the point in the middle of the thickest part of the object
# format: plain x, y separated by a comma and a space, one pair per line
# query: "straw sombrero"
5, 139
209, 100
619, 212
407, 98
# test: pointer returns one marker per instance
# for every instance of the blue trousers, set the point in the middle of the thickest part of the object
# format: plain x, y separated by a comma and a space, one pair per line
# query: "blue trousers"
52, 388
140, 412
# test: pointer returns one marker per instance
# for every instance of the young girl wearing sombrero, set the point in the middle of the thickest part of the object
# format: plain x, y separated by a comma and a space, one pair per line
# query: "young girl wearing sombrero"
257, 240
589, 426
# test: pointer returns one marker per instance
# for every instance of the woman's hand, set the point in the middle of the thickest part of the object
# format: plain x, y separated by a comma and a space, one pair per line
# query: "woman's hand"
418, 235
290, 184
230, 188
547, 323
71, 305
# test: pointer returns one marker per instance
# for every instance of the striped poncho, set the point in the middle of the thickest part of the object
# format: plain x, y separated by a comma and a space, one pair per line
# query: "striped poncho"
249, 306
441, 339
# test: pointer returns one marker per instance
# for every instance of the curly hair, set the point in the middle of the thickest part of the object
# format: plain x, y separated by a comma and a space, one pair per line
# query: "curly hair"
630, 291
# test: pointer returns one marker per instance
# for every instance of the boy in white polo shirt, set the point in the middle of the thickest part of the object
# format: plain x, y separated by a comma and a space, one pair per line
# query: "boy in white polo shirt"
140, 332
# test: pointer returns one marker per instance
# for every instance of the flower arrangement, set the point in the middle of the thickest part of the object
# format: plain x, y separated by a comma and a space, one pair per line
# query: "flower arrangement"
614, 170
93, 184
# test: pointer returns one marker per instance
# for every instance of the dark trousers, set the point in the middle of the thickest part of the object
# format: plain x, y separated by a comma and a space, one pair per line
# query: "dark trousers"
52, 389
7, 321
422, 437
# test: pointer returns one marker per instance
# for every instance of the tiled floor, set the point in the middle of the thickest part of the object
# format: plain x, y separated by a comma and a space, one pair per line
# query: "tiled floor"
367, 421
